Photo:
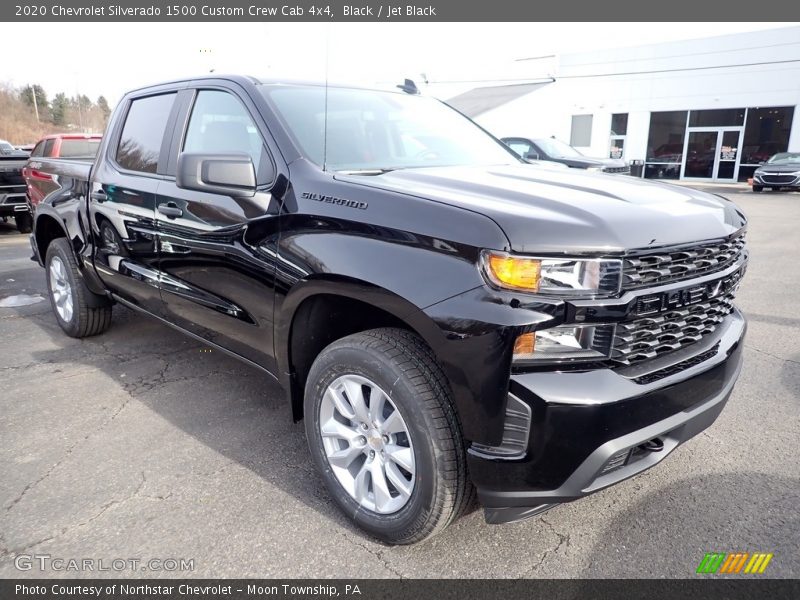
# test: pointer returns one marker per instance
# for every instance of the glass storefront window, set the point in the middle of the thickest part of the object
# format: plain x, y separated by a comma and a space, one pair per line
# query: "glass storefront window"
716, 118
766, 133
619, 129
619, 124
617, 147
665, 144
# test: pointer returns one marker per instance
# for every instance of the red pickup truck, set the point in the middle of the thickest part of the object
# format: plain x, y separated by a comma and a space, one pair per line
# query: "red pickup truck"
57, 145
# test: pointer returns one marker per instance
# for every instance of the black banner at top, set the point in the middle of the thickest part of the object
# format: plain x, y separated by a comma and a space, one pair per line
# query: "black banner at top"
394, 10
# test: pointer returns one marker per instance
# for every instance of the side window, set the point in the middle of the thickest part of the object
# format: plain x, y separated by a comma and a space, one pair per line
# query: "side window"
38, 150
220, 124
143, 132
520, 147
48, 147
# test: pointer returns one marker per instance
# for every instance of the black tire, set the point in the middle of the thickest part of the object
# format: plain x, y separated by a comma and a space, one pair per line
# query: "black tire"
91, 314
399, 361
758, 188
24, 222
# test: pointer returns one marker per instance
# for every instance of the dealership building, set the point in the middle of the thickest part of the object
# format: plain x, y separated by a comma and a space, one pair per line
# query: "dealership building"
708, 109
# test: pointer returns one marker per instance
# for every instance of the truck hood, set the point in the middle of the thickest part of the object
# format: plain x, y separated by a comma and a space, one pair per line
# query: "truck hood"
779, 168
554, 211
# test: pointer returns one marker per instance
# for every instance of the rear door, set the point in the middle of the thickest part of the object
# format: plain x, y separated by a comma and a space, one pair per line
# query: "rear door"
217, 251
123, 196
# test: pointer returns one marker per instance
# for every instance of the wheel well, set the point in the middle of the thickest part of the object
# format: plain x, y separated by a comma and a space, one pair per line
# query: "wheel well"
320, 321
47, 229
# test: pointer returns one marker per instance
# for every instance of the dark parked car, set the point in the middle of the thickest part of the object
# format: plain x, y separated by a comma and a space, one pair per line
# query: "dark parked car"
781, 171
446, 318
557, 151
12, 186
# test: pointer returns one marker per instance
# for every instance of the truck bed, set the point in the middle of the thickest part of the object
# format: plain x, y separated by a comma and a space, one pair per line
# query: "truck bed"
45, 175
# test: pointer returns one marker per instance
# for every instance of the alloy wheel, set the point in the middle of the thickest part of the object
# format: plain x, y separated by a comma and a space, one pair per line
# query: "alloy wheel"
367, 444
61, 289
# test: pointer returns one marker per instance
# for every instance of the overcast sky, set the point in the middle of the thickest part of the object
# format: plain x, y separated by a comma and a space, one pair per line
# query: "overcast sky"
111, 58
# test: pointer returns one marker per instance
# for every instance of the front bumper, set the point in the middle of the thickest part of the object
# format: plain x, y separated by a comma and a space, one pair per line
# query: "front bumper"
776, 180
13, 202
587, 428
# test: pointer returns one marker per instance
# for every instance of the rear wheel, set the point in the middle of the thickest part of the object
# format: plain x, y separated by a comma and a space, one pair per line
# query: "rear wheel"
79, 312
383, 432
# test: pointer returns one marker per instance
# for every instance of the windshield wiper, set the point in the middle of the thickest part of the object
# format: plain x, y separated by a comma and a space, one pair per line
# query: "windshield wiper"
379, 171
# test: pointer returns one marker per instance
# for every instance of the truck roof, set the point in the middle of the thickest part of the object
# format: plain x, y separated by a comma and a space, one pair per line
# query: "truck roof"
249, 79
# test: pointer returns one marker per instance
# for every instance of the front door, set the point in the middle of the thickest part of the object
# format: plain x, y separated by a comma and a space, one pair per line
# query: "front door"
216, 252
712, 154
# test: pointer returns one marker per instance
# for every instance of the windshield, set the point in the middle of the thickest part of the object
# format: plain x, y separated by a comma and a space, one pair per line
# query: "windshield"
557, 149
6, 148
379, 131
783, 158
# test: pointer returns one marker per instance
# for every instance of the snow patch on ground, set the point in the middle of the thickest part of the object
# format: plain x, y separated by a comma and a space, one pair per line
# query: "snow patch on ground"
20, 300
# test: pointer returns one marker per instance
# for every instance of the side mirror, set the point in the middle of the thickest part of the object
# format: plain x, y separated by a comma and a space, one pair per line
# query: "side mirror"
532, 155
229, 174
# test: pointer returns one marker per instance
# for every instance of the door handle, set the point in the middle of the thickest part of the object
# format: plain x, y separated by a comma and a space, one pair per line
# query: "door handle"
170, 210
99, 195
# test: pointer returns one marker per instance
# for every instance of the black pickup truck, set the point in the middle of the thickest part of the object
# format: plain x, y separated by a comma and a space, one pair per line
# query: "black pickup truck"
446, 318
12, 186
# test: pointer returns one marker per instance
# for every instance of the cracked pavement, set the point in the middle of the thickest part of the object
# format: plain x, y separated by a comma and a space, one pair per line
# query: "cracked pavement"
140, 444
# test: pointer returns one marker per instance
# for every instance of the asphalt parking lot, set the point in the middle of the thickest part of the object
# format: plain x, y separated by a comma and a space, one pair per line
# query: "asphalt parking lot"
141, 443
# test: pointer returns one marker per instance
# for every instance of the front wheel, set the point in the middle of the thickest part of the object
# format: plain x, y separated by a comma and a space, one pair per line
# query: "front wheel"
79, 311
383, 433
758, 188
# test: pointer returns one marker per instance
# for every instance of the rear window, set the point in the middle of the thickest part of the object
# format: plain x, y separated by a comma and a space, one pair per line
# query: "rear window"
140, 143
79, 148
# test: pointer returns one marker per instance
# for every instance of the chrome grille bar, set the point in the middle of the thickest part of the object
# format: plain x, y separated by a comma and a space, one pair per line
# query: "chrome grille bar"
658, 268
644, 338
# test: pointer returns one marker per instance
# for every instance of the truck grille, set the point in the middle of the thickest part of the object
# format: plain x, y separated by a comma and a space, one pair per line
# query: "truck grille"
780, 179
658, 268
644, 338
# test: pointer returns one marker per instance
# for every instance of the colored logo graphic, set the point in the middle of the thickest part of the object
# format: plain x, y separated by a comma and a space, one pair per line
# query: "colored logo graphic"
734, 562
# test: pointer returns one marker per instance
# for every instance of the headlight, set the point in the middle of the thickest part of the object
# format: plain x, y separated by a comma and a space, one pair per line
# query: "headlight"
556, 276
565, 342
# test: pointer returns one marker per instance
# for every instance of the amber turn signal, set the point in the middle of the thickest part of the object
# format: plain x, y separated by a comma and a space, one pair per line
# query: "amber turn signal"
524, 346
513, 272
